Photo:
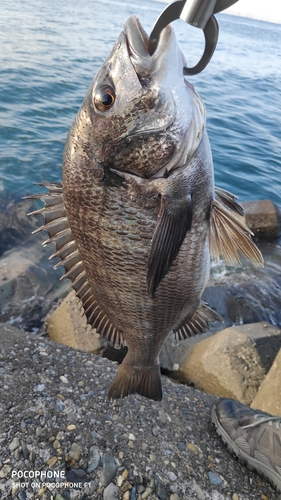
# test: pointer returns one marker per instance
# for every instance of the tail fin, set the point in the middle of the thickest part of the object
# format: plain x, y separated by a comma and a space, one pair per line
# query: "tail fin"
130, 379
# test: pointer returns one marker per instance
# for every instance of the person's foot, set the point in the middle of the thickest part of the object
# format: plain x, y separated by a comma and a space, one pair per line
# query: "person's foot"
253, 436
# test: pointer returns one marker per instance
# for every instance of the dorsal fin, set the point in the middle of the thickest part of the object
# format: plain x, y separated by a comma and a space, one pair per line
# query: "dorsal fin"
57, 226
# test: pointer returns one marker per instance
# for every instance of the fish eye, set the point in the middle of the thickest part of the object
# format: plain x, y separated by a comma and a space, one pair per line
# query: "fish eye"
104, 98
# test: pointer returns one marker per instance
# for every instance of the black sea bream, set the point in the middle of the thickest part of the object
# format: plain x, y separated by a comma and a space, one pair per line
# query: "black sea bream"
137, 217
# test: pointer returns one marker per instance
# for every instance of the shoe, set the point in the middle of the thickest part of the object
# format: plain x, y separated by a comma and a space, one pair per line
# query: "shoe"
253, 436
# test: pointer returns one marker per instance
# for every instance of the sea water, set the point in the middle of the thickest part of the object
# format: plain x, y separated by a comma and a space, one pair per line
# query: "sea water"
50, 52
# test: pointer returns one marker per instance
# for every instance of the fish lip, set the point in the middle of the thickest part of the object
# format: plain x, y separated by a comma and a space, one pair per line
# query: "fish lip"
137, 38
137, 43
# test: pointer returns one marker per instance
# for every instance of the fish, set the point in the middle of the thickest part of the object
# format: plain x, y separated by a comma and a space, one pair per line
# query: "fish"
137, 219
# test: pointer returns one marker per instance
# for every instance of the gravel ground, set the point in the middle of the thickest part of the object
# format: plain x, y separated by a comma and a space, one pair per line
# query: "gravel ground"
61, 438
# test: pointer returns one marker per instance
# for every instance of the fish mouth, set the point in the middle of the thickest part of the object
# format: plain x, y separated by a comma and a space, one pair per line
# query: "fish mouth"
164, 70
137, 43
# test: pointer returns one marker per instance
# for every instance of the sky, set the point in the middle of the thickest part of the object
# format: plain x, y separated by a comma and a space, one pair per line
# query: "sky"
266, 10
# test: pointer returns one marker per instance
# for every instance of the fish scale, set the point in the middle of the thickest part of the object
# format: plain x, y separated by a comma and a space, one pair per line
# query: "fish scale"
137, 217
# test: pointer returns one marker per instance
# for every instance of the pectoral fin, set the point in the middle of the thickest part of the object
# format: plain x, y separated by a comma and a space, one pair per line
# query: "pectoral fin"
228, 235
174, 220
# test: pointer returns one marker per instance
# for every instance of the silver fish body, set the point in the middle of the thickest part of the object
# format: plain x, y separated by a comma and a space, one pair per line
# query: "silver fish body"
138, 215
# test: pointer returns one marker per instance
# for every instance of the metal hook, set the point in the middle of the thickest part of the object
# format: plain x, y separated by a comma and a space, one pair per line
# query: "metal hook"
198, 13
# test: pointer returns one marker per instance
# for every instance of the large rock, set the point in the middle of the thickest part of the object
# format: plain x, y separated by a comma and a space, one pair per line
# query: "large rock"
262, 217
233, 362
268, 397
68, 325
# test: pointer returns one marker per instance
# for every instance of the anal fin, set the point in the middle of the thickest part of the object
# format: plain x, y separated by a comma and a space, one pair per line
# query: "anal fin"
198, 323
228, 235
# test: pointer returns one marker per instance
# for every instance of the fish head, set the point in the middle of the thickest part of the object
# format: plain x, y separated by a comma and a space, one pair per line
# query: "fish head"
139, 108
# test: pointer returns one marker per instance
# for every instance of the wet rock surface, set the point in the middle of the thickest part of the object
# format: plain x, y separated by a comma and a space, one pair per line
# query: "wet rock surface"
56, 418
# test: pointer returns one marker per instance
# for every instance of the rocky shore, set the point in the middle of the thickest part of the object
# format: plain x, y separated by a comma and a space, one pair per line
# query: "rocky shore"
60, 436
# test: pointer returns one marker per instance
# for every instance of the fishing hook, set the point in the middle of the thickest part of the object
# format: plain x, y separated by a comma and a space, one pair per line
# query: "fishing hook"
198, 13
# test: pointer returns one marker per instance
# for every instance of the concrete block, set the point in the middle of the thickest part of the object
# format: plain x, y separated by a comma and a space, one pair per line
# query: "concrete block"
67, 326
228, 364
262, 217
268, 397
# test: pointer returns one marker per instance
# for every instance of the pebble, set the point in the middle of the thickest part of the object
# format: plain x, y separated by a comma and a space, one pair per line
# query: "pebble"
110, 492
38, 431
126, 486
199, 492
192, 448
155, 431
214, 478
75, 452
39, 388
15, 489
71, 417
94, 459
80, 473
147, 492
120, 480
160, 488
52, 461
108, 471
72, 476
41, 492
59, 435
181, 446
235, 496
91, 488
71, 427
63, 379
14, 444
22, 495
162, 416
5, 471
174, 496
125, 473
133, 495
132, 437
172, 476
